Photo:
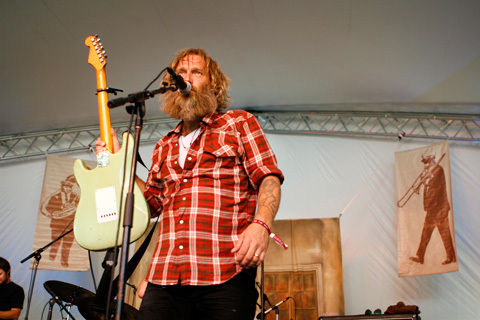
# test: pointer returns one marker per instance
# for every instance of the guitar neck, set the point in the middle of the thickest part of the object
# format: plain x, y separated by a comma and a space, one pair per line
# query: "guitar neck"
98, 59
103, 110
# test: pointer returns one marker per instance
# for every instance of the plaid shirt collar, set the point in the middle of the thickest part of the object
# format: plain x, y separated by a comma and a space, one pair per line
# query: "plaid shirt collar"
207, 120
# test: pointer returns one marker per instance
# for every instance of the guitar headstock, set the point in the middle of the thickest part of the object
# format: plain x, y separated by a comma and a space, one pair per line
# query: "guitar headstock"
96, 57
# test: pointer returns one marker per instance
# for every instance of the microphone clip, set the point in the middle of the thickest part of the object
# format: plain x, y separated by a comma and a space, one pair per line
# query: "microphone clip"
109, 90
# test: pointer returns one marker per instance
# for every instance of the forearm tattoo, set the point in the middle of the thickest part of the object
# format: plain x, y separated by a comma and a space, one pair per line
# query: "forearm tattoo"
269, 197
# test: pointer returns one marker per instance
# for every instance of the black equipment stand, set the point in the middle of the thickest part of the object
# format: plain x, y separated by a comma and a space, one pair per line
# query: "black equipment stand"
37, 255
137, 109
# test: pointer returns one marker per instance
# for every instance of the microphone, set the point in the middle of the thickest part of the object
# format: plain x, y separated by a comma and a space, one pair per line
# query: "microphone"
183, 86
272, 308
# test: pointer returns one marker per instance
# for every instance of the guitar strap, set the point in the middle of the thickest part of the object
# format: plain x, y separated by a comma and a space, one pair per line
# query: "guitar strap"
140, 160
139, 157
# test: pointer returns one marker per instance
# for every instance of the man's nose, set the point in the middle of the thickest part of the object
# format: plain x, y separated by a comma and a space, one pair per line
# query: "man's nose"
187, 76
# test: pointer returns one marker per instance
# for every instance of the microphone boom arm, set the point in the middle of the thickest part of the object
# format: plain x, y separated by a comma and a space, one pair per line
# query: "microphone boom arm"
139, 96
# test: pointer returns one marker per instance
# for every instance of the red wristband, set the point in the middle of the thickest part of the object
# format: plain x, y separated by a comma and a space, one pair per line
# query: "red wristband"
270, 234
263, 224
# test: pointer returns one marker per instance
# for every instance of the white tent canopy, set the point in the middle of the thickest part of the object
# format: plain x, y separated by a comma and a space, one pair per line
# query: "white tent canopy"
277, 52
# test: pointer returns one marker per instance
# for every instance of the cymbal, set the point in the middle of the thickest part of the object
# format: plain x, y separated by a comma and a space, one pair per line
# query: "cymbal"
88, 311
67, 292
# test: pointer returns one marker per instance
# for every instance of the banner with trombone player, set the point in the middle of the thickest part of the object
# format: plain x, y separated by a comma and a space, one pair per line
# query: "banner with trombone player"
426, 235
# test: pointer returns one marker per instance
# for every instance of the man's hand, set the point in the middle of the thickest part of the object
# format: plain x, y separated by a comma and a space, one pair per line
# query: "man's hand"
101, 146
251, 247
141, 288
252, 244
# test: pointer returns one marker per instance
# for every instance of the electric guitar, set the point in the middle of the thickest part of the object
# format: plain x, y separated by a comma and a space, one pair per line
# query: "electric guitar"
101, 204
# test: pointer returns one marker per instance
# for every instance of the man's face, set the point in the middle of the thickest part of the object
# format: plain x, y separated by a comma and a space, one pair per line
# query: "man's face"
192, 69
66, 188
3, 277
200, 101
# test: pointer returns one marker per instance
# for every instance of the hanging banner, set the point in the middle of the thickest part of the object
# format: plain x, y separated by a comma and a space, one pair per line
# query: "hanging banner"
426, 235
58, 203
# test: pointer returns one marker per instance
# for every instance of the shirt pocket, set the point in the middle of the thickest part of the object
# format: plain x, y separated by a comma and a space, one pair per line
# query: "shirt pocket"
221, 151
221, 154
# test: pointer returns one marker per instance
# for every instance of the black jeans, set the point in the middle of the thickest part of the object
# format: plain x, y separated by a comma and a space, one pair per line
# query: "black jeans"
233, 300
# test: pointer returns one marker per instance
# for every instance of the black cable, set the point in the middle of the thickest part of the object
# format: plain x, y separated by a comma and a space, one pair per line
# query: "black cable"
156, 78
43, 310
294, 308
91, 270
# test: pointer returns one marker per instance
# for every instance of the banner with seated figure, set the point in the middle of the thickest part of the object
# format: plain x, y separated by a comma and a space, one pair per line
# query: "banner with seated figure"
58, 204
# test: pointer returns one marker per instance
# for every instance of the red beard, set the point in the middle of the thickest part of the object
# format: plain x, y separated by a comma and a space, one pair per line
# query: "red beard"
195, 105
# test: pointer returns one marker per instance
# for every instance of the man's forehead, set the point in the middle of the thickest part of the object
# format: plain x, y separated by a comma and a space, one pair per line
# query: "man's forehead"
192, 59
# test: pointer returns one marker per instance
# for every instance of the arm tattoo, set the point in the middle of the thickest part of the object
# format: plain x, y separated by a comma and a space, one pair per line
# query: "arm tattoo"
269, 196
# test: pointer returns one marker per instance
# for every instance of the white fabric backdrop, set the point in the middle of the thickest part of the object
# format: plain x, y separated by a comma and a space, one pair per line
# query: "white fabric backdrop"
322, 176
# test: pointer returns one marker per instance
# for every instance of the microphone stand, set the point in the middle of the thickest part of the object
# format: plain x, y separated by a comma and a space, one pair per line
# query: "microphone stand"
277, 313
51, 302
262, 292
138, 108
37, 255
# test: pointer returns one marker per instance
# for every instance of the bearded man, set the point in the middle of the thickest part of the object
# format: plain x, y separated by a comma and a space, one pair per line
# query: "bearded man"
215, 183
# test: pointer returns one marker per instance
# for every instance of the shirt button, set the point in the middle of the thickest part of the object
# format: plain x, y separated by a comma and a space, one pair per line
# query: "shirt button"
184, 198
181, 221
175, 162
189, 158
184, 180
180, 247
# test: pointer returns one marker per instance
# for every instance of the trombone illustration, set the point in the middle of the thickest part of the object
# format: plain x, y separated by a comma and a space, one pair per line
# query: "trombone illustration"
419, 181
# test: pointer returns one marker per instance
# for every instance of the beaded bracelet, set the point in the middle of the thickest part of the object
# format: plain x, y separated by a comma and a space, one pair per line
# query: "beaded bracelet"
271, 234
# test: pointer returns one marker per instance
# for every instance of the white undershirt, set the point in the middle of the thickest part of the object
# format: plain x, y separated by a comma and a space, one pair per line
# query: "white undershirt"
184, 143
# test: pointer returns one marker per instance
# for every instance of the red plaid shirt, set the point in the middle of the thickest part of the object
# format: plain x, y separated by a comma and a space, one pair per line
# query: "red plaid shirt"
206, 205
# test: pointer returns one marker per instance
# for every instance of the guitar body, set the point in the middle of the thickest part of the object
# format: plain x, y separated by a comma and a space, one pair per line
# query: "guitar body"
101, 204
99, 208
